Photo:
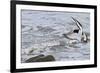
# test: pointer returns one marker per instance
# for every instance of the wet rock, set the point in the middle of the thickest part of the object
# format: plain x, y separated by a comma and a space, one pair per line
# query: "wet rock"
46, 59
41, 58
33, 59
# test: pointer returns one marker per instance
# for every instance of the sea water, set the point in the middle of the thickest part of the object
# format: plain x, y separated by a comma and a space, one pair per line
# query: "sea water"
42, 34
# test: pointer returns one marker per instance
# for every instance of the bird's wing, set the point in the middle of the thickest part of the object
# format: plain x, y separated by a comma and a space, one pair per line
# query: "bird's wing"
79, 25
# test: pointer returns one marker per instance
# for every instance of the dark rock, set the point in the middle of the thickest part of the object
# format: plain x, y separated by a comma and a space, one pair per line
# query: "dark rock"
41, 58
33, 59
46, 59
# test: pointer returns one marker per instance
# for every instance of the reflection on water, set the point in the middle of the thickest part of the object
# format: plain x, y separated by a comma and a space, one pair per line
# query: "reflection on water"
42, 34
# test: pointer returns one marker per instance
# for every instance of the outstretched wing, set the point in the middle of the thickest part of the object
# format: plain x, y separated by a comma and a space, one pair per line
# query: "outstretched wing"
79, 25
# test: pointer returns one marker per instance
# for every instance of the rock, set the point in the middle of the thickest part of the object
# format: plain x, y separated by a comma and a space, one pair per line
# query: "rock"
46, 59
33, 59
31, 51
41, 58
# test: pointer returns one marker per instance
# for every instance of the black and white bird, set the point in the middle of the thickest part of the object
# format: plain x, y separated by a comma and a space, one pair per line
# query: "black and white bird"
76, 34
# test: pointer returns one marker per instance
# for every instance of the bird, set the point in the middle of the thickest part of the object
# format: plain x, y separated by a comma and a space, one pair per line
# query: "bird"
76, 34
